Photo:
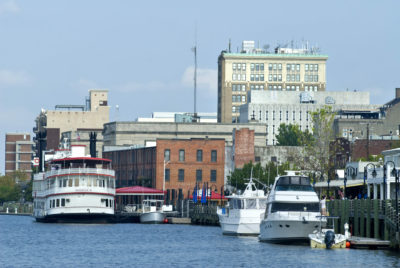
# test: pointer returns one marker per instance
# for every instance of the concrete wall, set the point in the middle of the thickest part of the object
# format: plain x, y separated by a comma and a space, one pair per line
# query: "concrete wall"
138, 133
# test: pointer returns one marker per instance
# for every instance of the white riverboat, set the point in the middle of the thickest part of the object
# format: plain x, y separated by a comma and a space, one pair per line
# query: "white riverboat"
76, 188
292, 211
244, 212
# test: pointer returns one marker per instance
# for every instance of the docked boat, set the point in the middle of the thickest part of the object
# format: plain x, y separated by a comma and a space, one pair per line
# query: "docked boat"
243, 214
292, 210
152, 211
326, 237
75, 188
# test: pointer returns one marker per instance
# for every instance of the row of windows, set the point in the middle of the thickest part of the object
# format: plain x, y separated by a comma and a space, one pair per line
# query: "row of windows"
60, 202
256, 87
199, 175
275, 77
310, 78
239, 66
280, 115
199, 155
293, 78
238, 87
238, 77
311, 67
274, 66
257, 67
238, 98
256, 77
84, 182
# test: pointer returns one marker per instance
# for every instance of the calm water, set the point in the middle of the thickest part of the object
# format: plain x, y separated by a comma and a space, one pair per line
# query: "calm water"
26, 243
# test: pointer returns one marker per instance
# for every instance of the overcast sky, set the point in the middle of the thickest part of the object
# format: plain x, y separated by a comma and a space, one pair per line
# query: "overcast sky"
53, 52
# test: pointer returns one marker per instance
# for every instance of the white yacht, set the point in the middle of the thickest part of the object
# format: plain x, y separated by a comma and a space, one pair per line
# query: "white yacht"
244, 213
76, 188
292, 211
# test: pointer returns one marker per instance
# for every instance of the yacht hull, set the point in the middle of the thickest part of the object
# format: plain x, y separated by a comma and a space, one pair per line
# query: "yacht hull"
286, 231
77, 218
240, 222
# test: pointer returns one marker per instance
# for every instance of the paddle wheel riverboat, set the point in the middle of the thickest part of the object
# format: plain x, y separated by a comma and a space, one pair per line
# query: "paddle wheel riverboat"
75, 188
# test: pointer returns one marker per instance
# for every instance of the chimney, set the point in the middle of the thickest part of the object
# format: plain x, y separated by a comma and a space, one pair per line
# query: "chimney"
397, 93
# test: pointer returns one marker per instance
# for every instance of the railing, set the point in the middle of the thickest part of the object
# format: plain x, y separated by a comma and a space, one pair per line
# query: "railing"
366, 214
98, 171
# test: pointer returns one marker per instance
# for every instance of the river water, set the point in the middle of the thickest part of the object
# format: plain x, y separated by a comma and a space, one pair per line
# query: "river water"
26, 243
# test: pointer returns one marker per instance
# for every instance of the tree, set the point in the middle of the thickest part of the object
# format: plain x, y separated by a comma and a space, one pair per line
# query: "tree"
316, 151
266, 174
9, 189
291, 135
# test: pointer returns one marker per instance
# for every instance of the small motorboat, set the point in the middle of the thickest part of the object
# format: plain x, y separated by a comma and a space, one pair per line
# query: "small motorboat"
152, 211
326, 237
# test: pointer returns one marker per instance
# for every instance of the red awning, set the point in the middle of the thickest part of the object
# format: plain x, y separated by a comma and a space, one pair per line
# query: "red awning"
214, 196
138, 190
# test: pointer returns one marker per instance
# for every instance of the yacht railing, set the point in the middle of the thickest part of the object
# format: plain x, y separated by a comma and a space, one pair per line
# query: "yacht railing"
98, 171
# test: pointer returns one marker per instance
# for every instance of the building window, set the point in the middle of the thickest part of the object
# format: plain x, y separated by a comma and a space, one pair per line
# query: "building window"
316, 67
279, 66
244, 66
181, 175
213, 175
243, 87
270, 66
167, 174
199, 156
298, 67
288, 77
58, 202
199, 175
279, 77
233, 66
311, 67
257, 67
262, 67
252, 77
181, 155
214, 156
63, 202
167, 154
252, 66
243, 98
270, 77
306, 67
261, 77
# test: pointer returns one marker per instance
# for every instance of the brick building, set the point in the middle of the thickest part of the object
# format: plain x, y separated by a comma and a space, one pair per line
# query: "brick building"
187, 161
18, 153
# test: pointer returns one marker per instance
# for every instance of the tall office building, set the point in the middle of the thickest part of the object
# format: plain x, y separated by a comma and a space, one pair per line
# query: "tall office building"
19, 153
286, 69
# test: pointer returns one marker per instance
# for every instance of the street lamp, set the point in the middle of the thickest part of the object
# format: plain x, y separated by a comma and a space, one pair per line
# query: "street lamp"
384, 175
345, 177
397, 197
366, 175
163, 188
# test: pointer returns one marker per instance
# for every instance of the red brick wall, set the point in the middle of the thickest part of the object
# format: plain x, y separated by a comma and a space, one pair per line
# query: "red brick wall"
244, 146
190, 165
359, 148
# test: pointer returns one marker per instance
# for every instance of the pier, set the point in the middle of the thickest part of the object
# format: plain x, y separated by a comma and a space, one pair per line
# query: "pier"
368, 218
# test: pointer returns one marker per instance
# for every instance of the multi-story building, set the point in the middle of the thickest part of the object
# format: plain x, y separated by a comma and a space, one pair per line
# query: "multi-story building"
186, 162
253, 69
18, 153
50, 124
383, 121
273, 108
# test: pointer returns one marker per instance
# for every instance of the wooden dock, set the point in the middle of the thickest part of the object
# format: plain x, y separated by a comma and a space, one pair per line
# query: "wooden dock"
368, 243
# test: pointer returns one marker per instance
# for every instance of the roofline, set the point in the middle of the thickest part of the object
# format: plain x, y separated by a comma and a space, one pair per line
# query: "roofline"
81, 158
273, 55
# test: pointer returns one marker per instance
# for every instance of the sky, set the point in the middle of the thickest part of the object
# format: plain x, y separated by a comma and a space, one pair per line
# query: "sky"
53, 52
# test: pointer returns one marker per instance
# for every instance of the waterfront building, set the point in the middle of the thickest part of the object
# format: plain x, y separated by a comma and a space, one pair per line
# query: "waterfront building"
179, 117
286, 69
186, 162
18, 153
50, 124
273, 108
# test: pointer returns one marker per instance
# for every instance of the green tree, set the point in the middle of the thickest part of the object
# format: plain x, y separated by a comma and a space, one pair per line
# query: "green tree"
316, 152
9, 189
291, 135
265, 175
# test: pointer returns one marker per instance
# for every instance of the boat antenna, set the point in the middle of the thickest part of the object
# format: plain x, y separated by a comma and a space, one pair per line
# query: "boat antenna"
194, 49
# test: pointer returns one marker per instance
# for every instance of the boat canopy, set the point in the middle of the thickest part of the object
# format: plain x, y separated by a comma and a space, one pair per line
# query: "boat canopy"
138, 190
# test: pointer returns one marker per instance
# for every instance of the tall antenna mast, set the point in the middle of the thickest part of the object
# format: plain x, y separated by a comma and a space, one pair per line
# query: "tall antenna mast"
195, 70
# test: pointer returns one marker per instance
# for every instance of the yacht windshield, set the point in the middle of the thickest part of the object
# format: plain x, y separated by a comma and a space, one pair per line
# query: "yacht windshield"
294, 183
309, 207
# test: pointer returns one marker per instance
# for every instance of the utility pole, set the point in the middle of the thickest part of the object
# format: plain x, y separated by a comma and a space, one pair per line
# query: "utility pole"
367, 141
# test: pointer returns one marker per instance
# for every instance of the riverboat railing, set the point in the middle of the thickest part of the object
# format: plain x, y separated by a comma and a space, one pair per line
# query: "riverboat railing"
98, 171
